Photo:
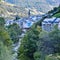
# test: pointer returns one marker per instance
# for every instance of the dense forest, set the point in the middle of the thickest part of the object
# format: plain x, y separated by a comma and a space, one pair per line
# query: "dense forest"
8, 36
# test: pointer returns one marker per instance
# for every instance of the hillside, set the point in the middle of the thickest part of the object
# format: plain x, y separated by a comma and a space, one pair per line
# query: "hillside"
10, 10
39, 5
57, 15
21, 7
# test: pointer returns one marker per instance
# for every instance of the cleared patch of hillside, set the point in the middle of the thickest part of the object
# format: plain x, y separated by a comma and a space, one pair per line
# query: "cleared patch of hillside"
57, 15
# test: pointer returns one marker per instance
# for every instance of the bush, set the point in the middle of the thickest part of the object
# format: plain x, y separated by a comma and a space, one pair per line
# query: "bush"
51, 57
5, 54
37, 55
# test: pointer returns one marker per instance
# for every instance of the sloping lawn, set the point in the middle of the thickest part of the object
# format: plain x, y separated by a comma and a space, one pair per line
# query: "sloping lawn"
57, 15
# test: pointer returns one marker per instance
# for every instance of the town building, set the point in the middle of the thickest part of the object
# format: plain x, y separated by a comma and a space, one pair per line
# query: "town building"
8, 22
24, 23
49, 23
27, 24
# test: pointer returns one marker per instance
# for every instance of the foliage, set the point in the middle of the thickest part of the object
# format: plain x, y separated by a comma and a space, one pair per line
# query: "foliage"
5, 54
28, 44
5, 42
49, 43
51, 57
59, 8
52, 11
57, 15
14, 32
2, 21
24, 57
37, 55
4, 37
55, 38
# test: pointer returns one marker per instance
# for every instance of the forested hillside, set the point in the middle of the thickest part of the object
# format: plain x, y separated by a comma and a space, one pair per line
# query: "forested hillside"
5, 43
8, 36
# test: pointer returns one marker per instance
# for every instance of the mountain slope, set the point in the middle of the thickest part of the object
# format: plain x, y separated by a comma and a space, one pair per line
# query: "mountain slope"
39, 5
21, 7
11, 10
53, 2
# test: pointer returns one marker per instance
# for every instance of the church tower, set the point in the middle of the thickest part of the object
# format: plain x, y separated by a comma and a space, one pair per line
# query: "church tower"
29, 13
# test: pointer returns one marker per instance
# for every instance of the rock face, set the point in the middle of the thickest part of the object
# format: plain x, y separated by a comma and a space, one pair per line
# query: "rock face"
38, 5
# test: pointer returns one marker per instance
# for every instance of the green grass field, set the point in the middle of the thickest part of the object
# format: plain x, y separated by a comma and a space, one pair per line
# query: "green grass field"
57, 15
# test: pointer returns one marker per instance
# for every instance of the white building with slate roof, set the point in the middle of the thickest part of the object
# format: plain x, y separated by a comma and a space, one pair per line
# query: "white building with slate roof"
49, 23
8, 22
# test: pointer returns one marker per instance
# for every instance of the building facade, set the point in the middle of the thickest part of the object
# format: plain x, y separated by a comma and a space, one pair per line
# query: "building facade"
49, 23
